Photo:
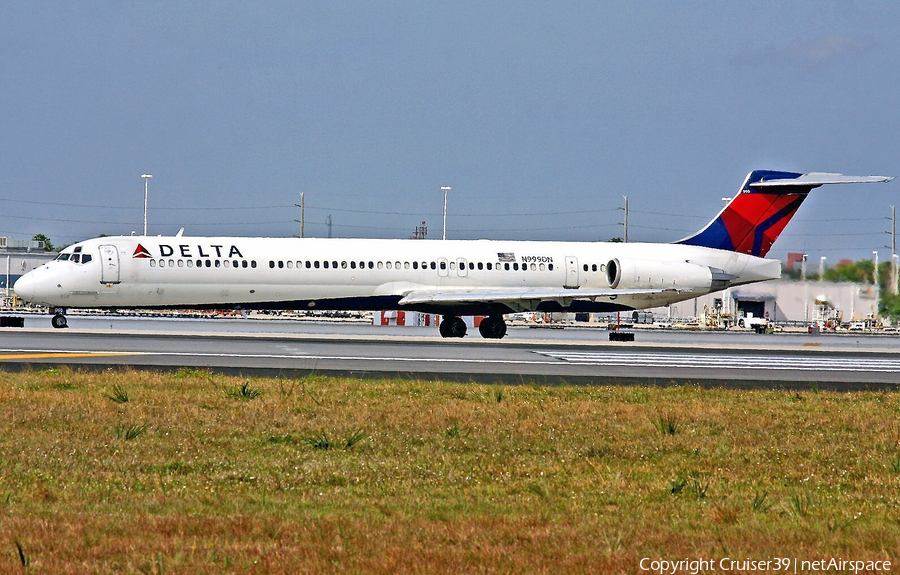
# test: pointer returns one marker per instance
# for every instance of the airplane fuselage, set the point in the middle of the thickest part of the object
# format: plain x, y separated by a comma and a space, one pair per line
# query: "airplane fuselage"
288, 273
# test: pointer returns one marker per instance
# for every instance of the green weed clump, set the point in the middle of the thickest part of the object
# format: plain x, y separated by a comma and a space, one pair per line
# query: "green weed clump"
666, 424
118, 394
245, 392
129, 432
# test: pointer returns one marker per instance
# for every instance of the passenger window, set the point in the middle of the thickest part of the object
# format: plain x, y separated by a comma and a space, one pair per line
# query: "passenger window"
452, 265
234, 263
152, 263
343, 265
290, 265
489, 266
593, 267
334, 265
515, 267
397, 265
387, 265
371, 265
506, 266
480, 266
433, 266
253, 264
352, 265
199, 263
181, 263
543, 267
226, 263
190, 263
471, 266
316, 264
533, 267
271, 264
309, 264
380, 265
325, 264
585, 267
218, 263
550, 267
244, 264
406, 265
208, 263
415, 265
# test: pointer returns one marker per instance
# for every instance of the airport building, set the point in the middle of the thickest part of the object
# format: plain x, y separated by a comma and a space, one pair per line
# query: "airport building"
783, 301
18, 257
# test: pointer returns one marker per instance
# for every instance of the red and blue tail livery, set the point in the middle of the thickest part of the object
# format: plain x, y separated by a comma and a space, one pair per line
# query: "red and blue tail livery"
754, 218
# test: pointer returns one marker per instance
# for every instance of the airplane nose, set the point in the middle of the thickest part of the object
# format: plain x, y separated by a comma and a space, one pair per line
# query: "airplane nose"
24, 287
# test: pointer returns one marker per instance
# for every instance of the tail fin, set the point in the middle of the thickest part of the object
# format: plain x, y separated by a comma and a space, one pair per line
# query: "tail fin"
754, 218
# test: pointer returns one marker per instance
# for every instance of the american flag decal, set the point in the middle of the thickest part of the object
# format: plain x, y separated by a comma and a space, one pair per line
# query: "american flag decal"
506, 256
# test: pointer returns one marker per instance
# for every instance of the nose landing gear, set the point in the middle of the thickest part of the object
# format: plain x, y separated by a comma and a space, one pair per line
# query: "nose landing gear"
59, 318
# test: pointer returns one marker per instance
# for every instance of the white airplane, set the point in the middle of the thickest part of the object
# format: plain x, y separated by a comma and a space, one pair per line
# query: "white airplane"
449, 277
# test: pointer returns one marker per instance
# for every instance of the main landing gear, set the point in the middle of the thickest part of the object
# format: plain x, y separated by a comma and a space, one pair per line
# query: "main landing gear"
59, 318
492, 327
452, 327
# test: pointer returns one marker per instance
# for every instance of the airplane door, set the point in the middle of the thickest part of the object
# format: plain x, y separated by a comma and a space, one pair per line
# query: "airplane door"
442, 267
462, 268
109, 265
571, 272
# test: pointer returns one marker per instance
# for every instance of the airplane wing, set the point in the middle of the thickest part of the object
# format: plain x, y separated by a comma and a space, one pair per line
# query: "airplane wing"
527, 297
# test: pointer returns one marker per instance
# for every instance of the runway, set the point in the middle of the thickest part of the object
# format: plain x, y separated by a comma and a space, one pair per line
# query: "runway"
540, 356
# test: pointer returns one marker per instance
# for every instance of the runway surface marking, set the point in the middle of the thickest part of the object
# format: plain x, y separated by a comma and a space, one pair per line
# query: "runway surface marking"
67, 354
600, 359
730, 361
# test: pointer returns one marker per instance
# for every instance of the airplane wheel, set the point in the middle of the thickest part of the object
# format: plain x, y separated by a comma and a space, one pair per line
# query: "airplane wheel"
492, 328
453, 327
59, 322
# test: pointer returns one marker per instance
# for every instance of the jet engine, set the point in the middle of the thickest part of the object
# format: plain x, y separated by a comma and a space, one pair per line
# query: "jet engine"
659, 274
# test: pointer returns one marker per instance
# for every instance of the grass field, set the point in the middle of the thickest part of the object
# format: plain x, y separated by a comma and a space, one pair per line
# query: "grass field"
194, 472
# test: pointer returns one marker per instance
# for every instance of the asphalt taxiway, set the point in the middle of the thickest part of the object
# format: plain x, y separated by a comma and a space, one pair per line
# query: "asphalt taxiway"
543, 356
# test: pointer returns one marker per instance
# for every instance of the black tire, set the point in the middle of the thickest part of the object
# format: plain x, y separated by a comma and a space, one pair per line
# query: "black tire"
59, 322
444, 328
492, 328
457, 328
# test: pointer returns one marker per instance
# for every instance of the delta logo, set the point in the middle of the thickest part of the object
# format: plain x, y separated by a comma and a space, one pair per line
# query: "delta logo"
141, 252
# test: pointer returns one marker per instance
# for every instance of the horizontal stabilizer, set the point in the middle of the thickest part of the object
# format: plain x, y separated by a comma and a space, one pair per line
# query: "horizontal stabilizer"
820, 179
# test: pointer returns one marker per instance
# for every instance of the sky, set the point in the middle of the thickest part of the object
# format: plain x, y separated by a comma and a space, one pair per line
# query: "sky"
540, 116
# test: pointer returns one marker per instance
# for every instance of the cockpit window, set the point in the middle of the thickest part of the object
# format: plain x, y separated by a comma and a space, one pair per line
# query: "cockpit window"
76, 258
63, 257
85, 258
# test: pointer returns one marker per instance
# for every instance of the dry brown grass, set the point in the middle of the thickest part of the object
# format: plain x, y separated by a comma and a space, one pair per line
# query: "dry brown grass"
446, 479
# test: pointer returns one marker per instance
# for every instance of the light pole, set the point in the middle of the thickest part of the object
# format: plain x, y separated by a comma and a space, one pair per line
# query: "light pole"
445, 189
822, 268
875, 268
805, 288
146, 193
